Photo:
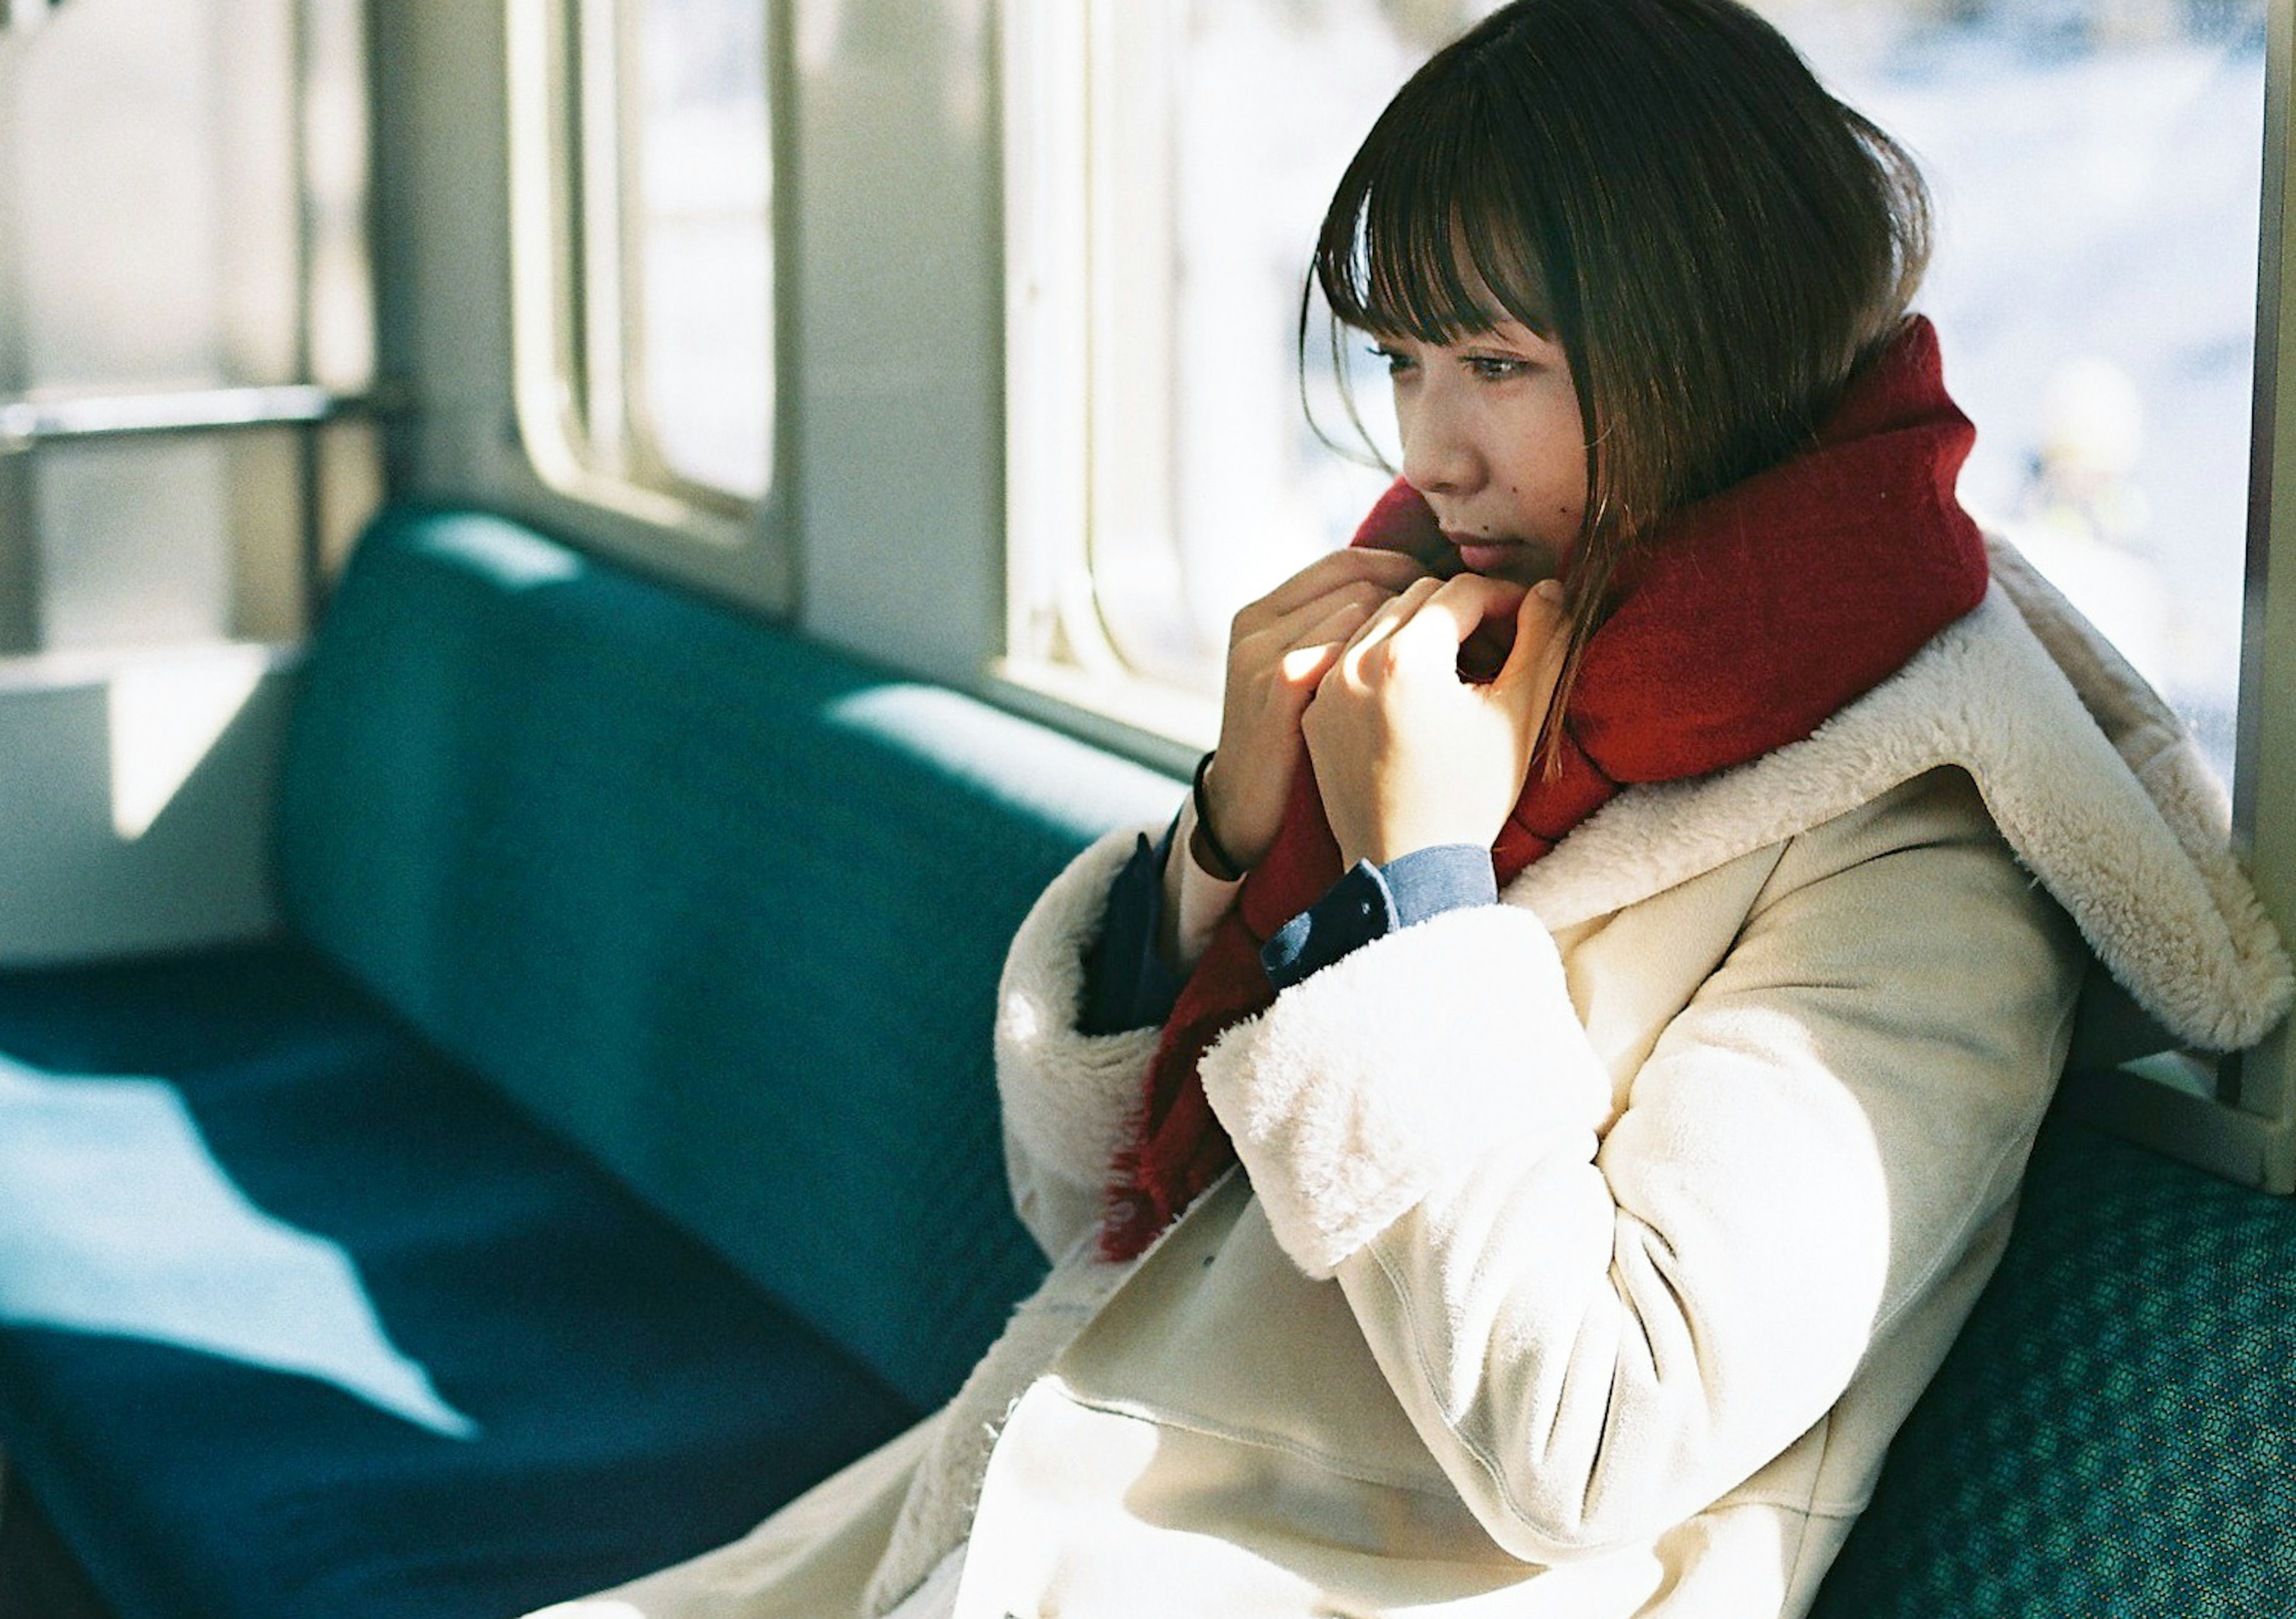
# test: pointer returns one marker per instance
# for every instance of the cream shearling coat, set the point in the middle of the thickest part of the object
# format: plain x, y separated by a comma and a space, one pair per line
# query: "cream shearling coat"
1589, 1248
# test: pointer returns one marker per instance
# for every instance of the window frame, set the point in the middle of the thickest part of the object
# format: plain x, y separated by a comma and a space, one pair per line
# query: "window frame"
575, 294
1061, 662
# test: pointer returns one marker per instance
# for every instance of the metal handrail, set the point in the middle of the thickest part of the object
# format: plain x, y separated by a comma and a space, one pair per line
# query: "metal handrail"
27, 424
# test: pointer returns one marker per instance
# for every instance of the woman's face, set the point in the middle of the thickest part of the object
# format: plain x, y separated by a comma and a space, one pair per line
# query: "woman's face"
1491, 438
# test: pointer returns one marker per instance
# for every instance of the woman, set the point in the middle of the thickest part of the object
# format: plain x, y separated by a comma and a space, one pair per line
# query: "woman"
1524, 1139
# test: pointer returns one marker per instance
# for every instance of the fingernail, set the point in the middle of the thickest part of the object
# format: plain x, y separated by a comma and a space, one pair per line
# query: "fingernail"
1548, 590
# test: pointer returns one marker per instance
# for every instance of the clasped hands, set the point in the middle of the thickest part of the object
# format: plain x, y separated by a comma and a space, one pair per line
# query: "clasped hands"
1357, 656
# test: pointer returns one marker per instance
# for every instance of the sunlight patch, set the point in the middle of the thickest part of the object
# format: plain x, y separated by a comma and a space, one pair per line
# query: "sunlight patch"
115, 1217
164, 718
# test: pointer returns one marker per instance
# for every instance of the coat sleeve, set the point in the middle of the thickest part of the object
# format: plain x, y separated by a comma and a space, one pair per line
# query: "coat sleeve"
1066, 1096
1600, 1317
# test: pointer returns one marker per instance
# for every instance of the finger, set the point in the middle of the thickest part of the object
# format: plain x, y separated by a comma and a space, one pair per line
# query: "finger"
1541, 637
1353, 664
1392, 614
1305, 663
1304, 623
1446, 616
1391, 570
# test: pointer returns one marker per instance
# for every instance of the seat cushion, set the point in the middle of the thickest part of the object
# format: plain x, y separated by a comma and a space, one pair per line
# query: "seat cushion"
2115, 1431
299, 1319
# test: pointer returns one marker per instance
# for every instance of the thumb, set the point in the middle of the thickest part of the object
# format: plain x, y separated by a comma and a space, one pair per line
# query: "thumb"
1535, 663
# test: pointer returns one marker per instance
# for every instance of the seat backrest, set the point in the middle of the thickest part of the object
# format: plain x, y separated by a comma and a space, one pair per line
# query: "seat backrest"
722, 906
2115, 1430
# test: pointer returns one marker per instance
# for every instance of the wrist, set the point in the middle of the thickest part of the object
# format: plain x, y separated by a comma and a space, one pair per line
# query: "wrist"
1206, 848
1385, 848
1194, 900
1376, 840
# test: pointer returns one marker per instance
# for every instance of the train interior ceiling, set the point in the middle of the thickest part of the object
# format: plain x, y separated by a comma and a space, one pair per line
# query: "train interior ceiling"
953, 345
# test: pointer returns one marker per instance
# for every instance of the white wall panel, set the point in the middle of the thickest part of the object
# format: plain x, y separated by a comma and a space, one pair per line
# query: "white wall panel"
137, 801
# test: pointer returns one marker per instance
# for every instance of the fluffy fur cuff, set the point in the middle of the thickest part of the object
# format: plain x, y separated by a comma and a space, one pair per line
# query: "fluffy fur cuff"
1368, 1083
1067, 1096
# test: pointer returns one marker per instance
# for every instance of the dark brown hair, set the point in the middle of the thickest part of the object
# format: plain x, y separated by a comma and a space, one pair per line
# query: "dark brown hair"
1664, 188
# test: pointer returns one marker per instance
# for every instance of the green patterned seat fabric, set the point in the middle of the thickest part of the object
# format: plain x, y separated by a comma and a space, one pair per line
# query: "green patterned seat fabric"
724, 907
2114, 1435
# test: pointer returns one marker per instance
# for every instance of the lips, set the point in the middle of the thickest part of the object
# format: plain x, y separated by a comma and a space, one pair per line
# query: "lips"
1480, 554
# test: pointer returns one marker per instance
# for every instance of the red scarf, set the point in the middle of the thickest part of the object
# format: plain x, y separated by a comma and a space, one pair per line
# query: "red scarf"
1747, 622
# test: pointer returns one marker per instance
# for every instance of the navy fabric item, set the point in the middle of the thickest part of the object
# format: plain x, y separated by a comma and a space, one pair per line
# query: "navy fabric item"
1128, 986
634, 1401
1372, 901
726, 908
1449, 877
1126, 983
1355, 910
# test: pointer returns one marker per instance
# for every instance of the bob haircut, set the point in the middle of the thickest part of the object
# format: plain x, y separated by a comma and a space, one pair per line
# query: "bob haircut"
1664, 188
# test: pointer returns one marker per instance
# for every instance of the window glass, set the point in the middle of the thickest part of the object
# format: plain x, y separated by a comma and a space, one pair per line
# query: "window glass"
699, 217
183, 194
2098, 167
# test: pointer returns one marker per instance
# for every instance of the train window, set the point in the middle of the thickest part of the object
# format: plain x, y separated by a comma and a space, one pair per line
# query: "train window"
1161, 205
644, 253
186, 330
2098, 165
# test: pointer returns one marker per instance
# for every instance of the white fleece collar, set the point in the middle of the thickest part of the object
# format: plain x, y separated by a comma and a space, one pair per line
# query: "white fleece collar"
2096, 786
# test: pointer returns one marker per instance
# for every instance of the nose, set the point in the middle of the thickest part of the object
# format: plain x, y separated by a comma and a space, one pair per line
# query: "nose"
1440, 453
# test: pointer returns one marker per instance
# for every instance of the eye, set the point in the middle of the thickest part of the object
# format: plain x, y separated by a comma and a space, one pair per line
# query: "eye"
1498, 367
1398, 362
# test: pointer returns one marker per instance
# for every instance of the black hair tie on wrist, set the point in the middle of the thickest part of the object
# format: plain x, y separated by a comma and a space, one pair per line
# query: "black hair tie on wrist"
1221, 864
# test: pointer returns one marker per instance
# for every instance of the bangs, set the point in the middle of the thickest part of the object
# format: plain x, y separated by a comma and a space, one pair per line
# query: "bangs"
1426, 237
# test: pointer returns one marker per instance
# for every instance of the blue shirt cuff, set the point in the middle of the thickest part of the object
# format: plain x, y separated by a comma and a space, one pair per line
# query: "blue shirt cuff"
1126, 985
1372, 901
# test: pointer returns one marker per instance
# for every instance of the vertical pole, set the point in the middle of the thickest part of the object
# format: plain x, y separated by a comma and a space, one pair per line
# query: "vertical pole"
2264, 1081
310, 468
19, 535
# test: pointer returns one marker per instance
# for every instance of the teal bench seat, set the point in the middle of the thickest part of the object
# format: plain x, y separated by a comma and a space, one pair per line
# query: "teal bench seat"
609, 1153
